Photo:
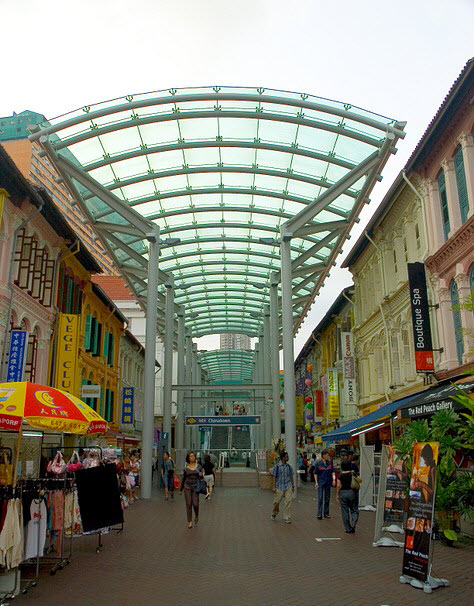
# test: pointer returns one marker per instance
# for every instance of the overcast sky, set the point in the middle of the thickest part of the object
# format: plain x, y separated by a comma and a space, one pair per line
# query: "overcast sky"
396, 58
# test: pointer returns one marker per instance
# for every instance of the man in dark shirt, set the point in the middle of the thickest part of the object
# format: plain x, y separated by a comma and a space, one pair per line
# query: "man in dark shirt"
323, 480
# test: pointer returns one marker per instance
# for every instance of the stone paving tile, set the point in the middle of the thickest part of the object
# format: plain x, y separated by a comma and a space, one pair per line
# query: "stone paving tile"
237, 555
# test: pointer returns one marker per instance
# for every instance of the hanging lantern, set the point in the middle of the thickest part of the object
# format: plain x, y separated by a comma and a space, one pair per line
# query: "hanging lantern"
309, 416
307, 426
310, 405
310, 367
309, 399
307, 382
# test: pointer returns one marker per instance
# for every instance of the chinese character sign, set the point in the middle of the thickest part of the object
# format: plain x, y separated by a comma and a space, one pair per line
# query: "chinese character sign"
128, 397
17, 357
350, 390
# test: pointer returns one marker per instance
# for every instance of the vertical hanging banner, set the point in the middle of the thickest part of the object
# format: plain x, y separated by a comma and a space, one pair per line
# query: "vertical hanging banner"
417, 552
333, 376
319, 406
17, 356
348, 365
128, 397
299, 407
420, 318
67, 352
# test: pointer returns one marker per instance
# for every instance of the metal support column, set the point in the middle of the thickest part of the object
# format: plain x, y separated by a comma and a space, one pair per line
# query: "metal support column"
181, 379
189, 381
267, 378
275, 362
150, 357
168, 361
196, 403
288, 350
261, 355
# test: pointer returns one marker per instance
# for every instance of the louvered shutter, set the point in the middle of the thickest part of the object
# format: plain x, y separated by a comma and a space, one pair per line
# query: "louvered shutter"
444, 203
457, 321
461, 182
87, 339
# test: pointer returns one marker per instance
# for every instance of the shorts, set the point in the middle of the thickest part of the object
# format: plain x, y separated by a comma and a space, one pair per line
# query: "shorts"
209, 480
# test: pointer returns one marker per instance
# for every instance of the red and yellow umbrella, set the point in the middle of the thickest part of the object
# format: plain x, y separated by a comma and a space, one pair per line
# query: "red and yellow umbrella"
47, 408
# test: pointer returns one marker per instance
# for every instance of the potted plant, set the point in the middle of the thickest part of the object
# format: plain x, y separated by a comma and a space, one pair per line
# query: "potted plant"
455, 486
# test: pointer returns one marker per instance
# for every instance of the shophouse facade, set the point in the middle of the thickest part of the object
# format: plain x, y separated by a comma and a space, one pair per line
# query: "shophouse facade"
323, 372
45, 281
132, 364
383, 330
444, 160
118, 291
14, 132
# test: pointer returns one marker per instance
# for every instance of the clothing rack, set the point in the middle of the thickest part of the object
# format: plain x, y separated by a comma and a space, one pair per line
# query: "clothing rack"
39, 486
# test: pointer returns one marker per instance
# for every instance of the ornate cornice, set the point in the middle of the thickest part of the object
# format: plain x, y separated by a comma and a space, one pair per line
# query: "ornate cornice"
452, 251
25, 302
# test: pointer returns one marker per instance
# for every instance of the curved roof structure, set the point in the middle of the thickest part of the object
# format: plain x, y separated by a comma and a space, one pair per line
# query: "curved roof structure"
223, 172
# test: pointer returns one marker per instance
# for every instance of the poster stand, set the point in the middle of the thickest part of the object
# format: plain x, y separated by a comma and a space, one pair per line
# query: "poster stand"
389, 516
418, 548
427, 586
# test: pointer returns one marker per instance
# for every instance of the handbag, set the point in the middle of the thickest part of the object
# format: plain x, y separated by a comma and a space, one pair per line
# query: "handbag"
177, 482
58, 465
201, 486
74, 463
6, 471
355, 484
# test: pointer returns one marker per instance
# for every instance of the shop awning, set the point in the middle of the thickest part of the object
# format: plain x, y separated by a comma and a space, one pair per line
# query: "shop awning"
349, 429
435, 399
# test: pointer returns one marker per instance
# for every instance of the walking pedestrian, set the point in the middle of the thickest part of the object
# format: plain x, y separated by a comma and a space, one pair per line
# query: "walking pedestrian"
208, 475
283, 487
167, 473
323, 480
347, 498
191, 472
356, 469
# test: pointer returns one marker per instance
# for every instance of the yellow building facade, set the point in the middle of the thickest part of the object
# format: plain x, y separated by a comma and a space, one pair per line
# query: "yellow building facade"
86, 342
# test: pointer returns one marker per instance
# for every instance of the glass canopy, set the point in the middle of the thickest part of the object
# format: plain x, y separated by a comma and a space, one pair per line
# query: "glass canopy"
221, 171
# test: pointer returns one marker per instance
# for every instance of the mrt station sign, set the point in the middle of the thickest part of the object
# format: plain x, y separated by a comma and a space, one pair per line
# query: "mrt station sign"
213, 421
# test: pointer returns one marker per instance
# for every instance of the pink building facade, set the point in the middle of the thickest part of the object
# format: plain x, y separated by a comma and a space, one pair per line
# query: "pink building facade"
444, 159
29, 248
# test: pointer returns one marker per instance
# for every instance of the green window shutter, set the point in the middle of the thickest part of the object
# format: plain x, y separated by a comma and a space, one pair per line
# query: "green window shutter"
70, 296
111, 349
457, 321
444, 203
87, 339
112, 402
106, 345
471, 280
97, 339
461, 182
101, 401
61, 288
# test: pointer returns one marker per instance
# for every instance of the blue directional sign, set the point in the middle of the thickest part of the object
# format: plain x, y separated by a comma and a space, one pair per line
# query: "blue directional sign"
17, 357
223, 420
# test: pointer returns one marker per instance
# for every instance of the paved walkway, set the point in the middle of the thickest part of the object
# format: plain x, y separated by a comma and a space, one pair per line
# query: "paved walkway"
237, 555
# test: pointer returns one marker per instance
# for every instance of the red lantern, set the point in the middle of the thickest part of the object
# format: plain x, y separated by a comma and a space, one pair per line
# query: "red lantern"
307, 382
309, 399
310, 367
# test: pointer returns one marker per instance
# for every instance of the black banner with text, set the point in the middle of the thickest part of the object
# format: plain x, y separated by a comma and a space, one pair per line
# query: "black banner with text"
420, 318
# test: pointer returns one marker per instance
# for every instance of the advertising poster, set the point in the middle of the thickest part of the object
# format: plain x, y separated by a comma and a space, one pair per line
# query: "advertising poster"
395, 489
416, 555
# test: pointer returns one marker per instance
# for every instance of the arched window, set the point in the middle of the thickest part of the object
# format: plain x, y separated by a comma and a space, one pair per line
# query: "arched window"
457, 320
444, 203
461, 183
